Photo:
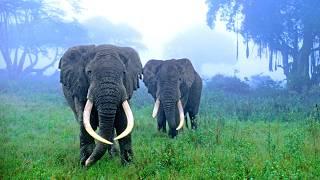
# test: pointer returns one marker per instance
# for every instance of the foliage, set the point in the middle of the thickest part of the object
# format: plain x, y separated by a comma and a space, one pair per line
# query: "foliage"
29, 30
33, 31
285, 28
264, 82
227, 84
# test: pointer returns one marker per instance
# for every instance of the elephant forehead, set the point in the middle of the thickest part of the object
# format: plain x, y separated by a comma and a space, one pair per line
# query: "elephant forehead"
107, 60
169, 70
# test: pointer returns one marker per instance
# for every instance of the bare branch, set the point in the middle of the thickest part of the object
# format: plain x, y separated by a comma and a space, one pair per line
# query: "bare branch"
15, 61
30, 68
315, 49
22, 60
53, 61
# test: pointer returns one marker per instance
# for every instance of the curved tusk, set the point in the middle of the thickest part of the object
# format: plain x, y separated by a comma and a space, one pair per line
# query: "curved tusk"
156, 108
87, 125
130, 121
181, 115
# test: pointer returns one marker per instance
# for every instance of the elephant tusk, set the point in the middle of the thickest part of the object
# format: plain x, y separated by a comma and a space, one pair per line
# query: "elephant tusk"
156, 108
181, 115
130, 120
87, 125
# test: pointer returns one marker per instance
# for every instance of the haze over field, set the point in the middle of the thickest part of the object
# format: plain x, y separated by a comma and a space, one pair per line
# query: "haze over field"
247, 107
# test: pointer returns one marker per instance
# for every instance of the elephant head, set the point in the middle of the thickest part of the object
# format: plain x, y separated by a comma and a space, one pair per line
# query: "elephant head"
167, 81
102, 77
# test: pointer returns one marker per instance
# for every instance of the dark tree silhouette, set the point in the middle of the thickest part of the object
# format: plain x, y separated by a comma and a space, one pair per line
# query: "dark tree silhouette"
31, 28
287, 30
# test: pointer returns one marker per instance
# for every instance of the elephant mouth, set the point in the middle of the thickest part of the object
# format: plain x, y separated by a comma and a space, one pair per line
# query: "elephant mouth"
180, 108
87, 125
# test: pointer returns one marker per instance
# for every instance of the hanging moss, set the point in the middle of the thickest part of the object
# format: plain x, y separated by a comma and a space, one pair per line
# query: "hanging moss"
237, 45
270, 60
247, 50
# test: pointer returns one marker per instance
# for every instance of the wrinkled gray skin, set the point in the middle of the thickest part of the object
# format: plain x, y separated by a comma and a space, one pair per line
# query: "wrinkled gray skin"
172, 80
107, 75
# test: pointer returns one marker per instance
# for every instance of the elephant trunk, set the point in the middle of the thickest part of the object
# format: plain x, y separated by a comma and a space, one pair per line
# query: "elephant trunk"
106, 104
169, 108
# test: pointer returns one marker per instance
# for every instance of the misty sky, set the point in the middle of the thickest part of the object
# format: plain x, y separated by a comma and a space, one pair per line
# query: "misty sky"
175, 29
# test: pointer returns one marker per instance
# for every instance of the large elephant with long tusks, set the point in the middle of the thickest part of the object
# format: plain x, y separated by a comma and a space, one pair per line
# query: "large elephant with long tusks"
176, 88
98, 82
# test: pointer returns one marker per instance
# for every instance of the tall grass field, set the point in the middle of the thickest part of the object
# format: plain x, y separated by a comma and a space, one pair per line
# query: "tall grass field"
239, 137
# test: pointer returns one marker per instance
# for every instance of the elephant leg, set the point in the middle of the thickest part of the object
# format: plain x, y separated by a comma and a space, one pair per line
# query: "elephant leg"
86, 141
194, 101
194, 121
186, 120
173, 132
162, 121
126, 153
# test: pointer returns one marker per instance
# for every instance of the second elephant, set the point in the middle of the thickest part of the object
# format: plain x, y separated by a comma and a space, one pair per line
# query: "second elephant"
176, 88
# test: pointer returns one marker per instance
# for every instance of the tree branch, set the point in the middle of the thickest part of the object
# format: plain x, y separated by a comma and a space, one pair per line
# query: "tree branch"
22, 60
30, 68
15, 61
52, 63
315, 49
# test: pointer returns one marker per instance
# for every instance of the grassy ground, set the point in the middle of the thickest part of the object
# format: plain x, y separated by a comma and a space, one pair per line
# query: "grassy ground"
39, 139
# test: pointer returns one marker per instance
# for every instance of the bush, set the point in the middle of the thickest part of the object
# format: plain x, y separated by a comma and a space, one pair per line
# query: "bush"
227, 84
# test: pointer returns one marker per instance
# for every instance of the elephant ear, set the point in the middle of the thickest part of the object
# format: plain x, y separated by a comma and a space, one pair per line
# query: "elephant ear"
149, 75
186, 70
131, 60
72, 65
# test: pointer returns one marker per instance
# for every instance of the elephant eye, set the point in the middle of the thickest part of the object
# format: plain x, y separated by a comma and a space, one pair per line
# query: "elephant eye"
89, 72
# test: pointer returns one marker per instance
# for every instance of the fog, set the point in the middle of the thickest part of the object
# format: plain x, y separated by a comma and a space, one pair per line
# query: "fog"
249, 111
158, 30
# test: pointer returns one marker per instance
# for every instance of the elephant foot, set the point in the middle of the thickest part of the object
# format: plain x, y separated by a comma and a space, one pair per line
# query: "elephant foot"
113, 151
126, 157
173, 133
163, 129
194, 123
85, 152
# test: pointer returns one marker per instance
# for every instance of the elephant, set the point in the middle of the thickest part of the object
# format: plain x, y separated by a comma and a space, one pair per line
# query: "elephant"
98, 82
176, 88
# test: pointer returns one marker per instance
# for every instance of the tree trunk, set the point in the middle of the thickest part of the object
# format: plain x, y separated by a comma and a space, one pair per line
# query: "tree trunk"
299, 76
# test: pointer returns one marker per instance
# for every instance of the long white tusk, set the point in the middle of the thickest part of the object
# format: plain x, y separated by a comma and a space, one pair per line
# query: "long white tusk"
181, 115
87, 125
130, 121
156, 108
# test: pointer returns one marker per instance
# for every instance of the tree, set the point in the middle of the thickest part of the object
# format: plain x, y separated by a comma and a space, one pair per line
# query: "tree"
287, 30
31, 28
227, 84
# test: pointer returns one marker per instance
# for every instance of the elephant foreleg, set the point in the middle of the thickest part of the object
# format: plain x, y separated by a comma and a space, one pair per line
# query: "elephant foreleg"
161, 121
126, 152
186, 120
86, 141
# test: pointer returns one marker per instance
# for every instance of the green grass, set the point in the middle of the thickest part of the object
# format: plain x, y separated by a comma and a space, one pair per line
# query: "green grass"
39, 139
